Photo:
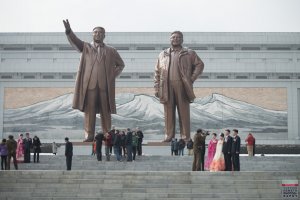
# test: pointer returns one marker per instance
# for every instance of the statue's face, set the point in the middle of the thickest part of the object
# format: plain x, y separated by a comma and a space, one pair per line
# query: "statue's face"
176, 39
98, 35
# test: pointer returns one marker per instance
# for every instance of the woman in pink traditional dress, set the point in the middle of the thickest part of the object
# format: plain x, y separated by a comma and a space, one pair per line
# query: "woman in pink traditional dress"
211, 151
218, 163
20, 149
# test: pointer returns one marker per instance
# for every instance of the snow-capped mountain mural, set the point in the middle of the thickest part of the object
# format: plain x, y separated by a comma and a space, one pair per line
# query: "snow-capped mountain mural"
56, 118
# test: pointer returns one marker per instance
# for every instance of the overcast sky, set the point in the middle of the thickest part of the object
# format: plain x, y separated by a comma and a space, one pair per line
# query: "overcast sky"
151, 15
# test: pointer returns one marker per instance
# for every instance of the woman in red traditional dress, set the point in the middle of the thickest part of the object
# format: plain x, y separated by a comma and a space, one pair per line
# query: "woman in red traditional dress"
211, 151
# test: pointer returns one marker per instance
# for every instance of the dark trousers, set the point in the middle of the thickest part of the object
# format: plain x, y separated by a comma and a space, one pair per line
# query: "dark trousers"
172, 152
27, 156
69, 162
36, 156
236, 162
14, 159
181, 152
122, 149
202, 160
198, 163
228, 162
3, 162
107, 149
110, 149
139, 148
133, 152
176, 152
117, 152
129, 152
99, 154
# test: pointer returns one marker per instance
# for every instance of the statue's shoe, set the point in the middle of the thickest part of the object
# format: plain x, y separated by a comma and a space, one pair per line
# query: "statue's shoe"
88, 140
167, 139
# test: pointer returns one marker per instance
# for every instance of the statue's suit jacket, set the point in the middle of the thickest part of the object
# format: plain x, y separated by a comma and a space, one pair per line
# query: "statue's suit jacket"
113, 67
190, 67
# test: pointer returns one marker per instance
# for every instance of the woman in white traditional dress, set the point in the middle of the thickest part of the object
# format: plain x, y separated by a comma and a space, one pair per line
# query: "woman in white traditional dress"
218, 163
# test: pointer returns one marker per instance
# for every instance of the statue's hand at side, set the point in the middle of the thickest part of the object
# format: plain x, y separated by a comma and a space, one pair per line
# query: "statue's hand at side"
67, 25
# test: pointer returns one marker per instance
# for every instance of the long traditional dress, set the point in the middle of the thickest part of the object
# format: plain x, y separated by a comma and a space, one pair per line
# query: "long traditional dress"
218, 163
20, 150
211, 153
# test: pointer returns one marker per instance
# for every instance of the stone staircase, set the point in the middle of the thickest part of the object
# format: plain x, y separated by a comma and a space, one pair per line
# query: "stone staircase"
149, 177
142, 185
158, 163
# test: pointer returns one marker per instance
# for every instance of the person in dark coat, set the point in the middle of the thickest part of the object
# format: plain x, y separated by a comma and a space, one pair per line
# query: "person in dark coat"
117, 145
108, 143
112, 133
140, 136
11, 149
68, 153
235, 150
199, 150
3, 153
134, 145
128, 144
181, 146
99, 139
173, 146
227, 150
189, 146
27, 147
123, 144
176, 147
36, 143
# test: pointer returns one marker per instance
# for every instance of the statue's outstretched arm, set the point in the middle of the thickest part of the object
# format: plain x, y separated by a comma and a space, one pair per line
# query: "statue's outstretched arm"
74, 41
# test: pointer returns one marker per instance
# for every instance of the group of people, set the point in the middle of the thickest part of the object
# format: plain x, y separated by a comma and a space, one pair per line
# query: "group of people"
124, 144
223, 153
19, 150
177, 147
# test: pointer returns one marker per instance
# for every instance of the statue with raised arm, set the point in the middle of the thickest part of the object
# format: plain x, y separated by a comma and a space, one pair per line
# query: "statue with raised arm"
175, 72
94, 93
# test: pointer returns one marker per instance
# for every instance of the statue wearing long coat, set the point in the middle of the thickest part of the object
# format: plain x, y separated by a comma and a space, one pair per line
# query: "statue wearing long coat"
113, 67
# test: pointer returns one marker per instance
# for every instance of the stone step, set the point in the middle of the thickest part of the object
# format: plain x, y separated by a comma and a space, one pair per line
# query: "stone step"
138, 185
141, 185
117, 198
158, 163
143, 195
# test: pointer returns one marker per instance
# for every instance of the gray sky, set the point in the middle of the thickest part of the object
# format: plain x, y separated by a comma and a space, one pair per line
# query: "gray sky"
151, 15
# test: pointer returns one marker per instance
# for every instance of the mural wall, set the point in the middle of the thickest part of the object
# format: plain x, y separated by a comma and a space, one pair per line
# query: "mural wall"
47, 112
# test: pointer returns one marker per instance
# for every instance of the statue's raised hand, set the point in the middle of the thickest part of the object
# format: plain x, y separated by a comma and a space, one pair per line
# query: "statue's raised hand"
67, 25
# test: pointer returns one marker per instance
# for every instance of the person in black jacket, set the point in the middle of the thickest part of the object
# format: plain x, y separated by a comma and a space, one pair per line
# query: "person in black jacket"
27, 146
68, 153
140, 136
227, 150
99, 138
128, 144
117, 145
181, 146
199, 150
189, 146
235, 150
36, 143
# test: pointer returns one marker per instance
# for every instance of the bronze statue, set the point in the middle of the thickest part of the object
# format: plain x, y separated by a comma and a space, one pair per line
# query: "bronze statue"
94, 92
175, 72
